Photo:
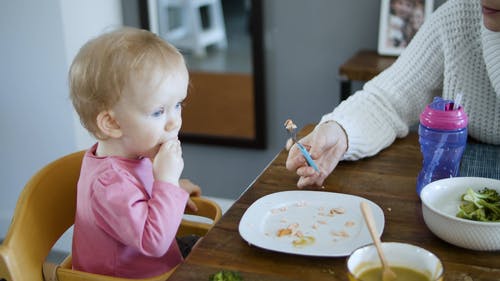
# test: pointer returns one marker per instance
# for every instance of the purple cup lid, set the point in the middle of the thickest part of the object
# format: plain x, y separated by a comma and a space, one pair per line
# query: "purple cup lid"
442, 115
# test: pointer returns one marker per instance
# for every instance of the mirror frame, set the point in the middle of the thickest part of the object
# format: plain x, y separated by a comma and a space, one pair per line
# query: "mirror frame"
259, 140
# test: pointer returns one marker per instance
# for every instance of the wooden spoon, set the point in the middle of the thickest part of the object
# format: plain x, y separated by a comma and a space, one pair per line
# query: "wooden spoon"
387, 273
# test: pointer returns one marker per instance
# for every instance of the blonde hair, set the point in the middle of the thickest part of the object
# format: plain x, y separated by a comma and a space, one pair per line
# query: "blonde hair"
104, 65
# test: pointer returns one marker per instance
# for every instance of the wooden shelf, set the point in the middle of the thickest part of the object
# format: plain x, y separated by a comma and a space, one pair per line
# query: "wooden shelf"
363, 66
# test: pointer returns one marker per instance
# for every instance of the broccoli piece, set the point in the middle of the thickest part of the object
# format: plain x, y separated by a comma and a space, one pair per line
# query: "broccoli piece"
492, 195
483, 205
225, 275
489, 195
468, 210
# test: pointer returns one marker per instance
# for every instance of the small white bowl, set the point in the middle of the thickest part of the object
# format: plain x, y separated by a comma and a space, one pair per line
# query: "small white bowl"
440, 204
397, 254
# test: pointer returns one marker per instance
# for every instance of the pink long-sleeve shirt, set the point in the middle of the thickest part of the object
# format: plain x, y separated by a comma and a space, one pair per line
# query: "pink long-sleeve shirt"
126, 222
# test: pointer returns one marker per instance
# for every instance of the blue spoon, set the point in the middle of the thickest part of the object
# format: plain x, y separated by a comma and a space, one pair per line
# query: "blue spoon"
307, 156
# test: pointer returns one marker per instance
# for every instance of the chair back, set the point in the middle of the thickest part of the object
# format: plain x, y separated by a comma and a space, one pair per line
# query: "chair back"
44, 211
193, 222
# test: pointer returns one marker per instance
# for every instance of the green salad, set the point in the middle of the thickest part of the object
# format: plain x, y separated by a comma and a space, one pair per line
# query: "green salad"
481, 205
225, 275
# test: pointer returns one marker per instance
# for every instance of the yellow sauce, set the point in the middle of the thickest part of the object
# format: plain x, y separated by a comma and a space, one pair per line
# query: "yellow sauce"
403, 274
303, 241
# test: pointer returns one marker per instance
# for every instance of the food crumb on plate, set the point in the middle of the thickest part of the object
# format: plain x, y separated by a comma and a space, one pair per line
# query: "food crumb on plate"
341, 233
301, 204
349, 223
283, 231
337, 210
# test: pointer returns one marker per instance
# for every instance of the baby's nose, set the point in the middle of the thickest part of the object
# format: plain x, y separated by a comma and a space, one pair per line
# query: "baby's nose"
173, 124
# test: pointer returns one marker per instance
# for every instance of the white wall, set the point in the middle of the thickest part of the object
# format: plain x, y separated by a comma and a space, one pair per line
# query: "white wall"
37, 125
35, 113
82, 20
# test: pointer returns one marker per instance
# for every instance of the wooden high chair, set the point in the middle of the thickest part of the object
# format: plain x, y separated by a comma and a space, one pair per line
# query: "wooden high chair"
46, 209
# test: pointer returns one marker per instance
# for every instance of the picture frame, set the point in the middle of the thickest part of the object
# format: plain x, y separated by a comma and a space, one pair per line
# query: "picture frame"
399, 21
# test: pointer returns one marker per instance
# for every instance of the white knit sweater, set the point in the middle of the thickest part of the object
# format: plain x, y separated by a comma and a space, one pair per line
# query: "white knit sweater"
453, 52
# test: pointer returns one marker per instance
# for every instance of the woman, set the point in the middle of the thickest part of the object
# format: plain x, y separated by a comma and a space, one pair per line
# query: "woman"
457, 50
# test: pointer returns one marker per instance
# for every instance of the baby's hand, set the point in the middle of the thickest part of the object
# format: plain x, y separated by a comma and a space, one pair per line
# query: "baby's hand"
168, 163
193, 190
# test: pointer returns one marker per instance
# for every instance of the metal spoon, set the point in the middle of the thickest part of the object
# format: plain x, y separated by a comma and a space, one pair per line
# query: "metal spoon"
291, 128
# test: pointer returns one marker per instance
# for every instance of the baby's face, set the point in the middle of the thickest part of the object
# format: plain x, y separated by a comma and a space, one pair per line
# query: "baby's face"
403, 8
491, 14
149, 113
417, 19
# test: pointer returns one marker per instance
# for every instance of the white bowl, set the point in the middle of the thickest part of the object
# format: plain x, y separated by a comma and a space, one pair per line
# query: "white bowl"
440, 204
397, 254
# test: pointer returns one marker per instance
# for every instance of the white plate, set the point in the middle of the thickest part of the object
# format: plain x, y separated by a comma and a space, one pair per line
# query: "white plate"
326, 233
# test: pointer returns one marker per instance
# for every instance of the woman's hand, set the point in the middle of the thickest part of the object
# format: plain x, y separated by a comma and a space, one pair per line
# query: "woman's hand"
326, 144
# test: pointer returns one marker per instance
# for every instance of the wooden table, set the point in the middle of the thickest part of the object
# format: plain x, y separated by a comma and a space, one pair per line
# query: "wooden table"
387, 179
363, 66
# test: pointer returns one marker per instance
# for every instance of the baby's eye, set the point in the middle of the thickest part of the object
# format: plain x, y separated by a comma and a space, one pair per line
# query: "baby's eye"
180, 105
158, 113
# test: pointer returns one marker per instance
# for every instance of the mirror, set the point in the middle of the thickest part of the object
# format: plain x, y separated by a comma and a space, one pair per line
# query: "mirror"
222, 44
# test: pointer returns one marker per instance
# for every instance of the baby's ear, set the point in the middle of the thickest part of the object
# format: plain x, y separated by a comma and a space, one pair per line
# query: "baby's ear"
108, 124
